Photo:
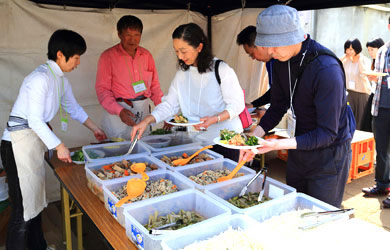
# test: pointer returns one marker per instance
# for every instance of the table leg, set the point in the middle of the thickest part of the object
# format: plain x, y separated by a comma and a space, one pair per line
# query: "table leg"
79, 230
66, 215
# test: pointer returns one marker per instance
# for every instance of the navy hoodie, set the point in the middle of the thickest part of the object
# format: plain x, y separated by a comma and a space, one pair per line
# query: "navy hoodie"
319, 100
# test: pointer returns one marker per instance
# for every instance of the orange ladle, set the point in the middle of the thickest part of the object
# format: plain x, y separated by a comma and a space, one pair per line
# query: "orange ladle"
233, 173
183, 162
135, 186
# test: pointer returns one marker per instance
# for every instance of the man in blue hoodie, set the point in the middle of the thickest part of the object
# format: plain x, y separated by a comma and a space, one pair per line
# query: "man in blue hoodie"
320, 140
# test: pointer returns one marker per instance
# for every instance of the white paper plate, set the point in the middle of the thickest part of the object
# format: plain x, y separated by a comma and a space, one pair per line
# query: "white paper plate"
77, 162
373, 73
217, 141
190, 123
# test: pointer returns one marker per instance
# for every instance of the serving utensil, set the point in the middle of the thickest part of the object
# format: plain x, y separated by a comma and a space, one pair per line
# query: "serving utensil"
245, 188
262, 186
323, 221
231, 175
133, 142
339, 211
158, 231
183, 162
135, 187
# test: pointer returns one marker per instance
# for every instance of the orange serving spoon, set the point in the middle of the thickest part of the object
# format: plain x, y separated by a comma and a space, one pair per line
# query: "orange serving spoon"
183, 162
234, 172
135, 186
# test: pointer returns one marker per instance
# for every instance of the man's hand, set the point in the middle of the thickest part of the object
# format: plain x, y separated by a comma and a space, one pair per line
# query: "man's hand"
99, 134
126, 117
167, 126
259, 131
63, 153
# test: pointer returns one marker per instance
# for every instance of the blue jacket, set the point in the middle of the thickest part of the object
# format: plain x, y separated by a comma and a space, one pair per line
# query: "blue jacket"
319, 100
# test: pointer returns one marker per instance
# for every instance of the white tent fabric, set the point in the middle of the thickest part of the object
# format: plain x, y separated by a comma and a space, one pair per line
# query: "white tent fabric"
26, 28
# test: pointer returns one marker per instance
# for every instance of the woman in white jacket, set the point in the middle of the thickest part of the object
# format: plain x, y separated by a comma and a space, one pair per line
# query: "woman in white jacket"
196, 92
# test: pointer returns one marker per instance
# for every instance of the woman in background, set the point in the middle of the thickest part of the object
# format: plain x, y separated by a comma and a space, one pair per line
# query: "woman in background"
372, 47
358, 85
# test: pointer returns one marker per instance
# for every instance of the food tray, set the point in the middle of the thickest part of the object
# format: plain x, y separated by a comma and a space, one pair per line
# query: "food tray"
189, 150
110, 200
96, 184
272, 189
188, 200
217, 164
207, 230
177, 141
293, 202
112, 151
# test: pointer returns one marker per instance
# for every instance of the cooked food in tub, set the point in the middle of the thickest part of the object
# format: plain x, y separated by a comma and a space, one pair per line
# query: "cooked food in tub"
153, 189
211, 176
247, 200
120, 169
182, 219
199, 158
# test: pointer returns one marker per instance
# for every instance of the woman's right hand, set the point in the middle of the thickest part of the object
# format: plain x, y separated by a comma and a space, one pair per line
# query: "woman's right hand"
140, 127
63, 153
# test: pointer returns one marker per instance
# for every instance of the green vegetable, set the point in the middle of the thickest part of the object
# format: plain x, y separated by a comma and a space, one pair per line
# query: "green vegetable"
227, 134
160, 131
248, 200
78, 156
252, 141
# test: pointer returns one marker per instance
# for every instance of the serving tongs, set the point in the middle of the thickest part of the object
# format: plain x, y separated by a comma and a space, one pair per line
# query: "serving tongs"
347, 211
317, 214
132, 145
245, 188
159, 231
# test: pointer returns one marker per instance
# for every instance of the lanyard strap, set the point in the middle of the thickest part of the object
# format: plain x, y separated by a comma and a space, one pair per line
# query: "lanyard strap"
139, 68
296, 80
59, 94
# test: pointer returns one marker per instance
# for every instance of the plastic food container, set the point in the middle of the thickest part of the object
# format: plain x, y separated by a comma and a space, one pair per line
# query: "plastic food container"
293, 202
110, 200
178, 140
272, 189
111, 151
188, 150
96, 184
217, 164
188, 200
207, 230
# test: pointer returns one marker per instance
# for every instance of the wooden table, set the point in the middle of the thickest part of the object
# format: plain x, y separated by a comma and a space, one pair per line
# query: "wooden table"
74, 186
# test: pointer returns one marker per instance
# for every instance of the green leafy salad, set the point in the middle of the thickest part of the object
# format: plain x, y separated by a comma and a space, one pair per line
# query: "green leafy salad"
237, 139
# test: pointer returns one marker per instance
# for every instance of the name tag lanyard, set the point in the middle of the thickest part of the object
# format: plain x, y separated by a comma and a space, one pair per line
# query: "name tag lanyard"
64, 120
138, 86
291, 118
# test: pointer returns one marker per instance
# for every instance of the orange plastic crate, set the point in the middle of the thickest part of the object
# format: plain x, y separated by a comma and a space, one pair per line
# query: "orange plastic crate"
363, 150
283, 154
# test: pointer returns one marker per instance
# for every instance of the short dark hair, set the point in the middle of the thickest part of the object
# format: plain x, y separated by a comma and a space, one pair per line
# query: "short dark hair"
375, 43
355, 43
194, 35
68, 42
129, 22
247, 36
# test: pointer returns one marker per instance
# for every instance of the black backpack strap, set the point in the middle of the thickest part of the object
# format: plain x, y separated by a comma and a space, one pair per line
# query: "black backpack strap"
217, 71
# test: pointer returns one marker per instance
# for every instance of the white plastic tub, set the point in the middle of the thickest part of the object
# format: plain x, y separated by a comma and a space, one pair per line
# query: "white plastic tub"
96, 184
188, 150
217, 164
188, 200
177, 140
207, 231
110, 200
112, 151
272, 189
293, 202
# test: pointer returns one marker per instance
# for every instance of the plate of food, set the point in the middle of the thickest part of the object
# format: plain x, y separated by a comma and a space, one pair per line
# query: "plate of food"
181, 120
231, 139
374, 73
77, 157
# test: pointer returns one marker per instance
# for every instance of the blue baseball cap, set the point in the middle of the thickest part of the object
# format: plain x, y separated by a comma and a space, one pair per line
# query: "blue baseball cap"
278, 26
